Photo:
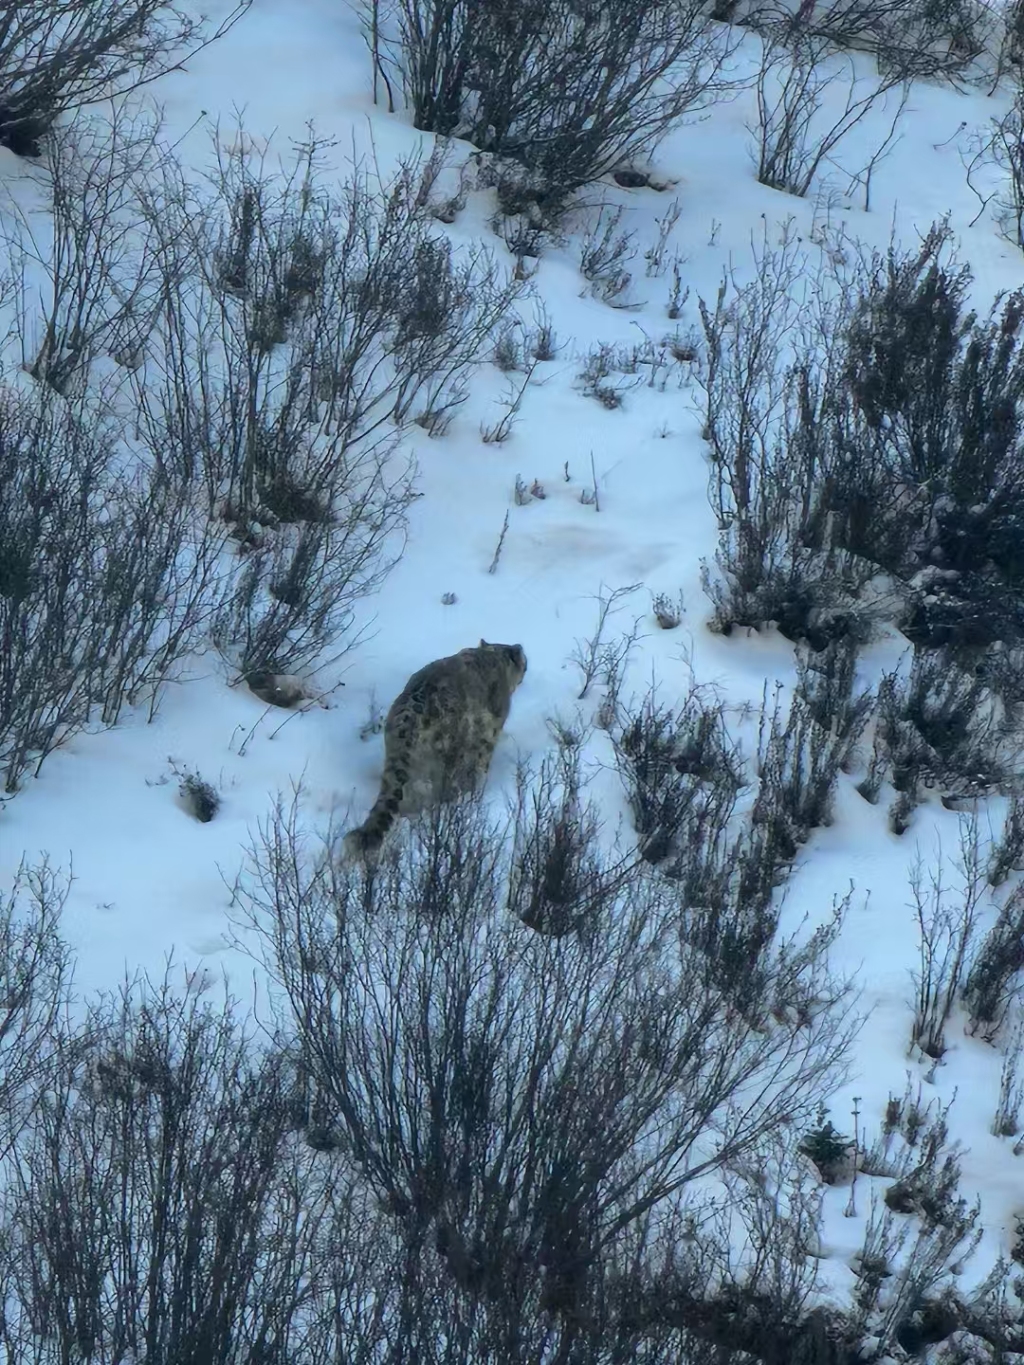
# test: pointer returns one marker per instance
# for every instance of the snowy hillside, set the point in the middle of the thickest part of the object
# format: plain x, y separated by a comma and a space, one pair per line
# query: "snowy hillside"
577, 473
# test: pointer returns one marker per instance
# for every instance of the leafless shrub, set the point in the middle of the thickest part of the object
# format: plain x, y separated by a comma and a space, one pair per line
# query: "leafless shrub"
1006, 1120
558, 882
106, 582
291, 602
1007, 852
1012, 37
682, 773
867, 427
597, 658
940, 464
675, 764
905, 330
438, 417
749, 336
599, 365
949, 1223
59, 55
543, 343
273, 334
798, 765
912, 1131
513, 400
766, 381
668, 612
774, 1222
678, 294
1002, 146
797, 70
910, 38
826, 687
900, 1272
573, 93
605, 251
85, 252
946, 929
727, 874
298, 324
507, 353
158, 1206
993, 982
35, 969
655, 255
607, 395
568, 1082
307, 320
937, 726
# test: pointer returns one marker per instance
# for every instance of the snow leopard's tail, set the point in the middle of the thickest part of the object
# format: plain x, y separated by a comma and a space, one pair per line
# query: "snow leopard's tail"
364, 842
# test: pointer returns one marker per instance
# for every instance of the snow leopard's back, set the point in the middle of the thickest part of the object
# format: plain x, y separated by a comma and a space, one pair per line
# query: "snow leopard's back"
440, 734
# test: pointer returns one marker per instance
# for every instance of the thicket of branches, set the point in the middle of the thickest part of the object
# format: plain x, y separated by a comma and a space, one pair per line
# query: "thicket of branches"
568, 91
909, 38
529, 1107
223, 371
58, 55
106, 578
808, 101
458, 1139
884, 437
867, 466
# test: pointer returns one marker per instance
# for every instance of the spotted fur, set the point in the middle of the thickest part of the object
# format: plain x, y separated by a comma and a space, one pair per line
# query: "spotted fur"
440, 734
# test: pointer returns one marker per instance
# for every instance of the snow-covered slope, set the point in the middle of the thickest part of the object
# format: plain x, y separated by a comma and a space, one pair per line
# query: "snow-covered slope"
149, 881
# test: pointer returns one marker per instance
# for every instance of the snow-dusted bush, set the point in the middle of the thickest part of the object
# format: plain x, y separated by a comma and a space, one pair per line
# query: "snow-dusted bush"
298, 325
106, 580
35, 968
910, 38
947, 923
299, 322
84, 252
1001, 146
159, 1208
57, 55
797, 76
682, 775
827, 689
936, 398
940, 727
1006, 1119
994, 983
570, 91
557, 882
675, 764
274, 333
521, 1101
1007, 852
866, 451
798, 764
292, 595
768, 379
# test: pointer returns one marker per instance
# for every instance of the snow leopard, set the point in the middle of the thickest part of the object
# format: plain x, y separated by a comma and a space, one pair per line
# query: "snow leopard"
439, 736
